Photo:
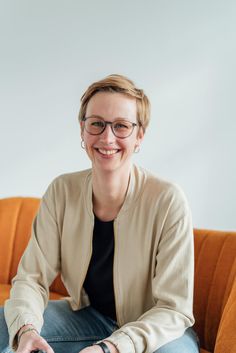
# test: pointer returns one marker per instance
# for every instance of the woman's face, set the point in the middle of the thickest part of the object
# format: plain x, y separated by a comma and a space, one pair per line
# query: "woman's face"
106, 151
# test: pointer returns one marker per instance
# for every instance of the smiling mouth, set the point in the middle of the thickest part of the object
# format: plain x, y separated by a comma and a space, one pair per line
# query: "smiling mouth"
107, 152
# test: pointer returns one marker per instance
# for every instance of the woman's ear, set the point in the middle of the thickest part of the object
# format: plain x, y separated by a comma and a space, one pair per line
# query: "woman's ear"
81, 129
140, 135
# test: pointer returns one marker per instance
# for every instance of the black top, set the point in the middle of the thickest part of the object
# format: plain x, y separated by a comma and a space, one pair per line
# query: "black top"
99, 279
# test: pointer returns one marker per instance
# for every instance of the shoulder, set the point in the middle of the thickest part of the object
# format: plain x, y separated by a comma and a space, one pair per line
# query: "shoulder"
72, 179
162, 193
69, 184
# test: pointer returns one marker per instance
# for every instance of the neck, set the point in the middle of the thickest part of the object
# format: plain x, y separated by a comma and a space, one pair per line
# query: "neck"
109, 190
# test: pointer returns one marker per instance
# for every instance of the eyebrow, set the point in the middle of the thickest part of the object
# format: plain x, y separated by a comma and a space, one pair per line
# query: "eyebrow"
98, 116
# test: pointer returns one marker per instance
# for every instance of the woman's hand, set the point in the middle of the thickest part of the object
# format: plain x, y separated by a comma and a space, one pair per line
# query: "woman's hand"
32, 341
97, 349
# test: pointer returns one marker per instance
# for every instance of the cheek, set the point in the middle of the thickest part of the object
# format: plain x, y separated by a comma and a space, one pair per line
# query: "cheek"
133, 143
129, 147
88, 139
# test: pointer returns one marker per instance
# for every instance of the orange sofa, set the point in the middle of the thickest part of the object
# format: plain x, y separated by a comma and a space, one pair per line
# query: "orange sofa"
215, 273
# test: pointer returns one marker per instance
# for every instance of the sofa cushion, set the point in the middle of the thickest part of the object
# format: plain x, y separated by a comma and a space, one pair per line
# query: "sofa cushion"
4, 293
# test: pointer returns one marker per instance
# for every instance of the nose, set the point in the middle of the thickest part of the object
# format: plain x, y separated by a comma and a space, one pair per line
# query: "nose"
107, 136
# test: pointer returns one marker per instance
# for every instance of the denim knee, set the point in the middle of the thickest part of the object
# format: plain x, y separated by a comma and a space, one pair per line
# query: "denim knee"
4, 337
188, 343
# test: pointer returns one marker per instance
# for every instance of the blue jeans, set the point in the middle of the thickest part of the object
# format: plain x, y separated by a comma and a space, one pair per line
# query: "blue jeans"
70, 331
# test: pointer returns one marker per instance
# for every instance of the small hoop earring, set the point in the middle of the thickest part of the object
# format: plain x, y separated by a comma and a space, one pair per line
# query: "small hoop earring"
82, 144
137, 149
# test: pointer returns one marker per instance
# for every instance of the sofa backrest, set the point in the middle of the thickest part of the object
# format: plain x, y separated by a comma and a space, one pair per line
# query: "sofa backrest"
16, 216
215, 276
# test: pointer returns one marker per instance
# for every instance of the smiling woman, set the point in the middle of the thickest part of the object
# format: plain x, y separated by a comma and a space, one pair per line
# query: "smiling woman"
110, 129
122, 239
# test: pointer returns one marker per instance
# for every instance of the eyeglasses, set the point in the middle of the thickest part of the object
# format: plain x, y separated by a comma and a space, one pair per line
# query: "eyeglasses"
121, 128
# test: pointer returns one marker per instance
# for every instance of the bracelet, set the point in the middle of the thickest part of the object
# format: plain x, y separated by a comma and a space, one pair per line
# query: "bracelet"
104, 347
27, 330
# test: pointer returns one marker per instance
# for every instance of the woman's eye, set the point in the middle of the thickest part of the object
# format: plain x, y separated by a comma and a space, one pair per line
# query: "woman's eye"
121, 126
97, 124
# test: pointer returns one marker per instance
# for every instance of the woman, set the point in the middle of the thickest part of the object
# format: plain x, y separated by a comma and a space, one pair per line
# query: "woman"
121, 238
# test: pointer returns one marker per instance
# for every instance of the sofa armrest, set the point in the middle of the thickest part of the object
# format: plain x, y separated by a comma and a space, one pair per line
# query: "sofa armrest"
226, 336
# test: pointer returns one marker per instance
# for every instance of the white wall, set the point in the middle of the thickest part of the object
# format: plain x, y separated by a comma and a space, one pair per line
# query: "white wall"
182, 53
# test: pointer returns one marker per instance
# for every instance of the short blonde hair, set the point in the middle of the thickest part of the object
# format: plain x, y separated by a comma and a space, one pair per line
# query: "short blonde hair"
119, 84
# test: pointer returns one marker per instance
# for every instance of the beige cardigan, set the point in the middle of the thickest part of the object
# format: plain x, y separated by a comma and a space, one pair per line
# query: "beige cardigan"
153, 259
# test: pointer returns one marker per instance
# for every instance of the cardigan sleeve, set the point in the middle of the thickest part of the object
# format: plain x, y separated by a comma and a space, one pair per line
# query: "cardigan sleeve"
37, 269
172, 289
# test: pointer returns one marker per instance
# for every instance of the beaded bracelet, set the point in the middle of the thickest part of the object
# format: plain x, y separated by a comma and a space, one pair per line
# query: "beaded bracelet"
27, 330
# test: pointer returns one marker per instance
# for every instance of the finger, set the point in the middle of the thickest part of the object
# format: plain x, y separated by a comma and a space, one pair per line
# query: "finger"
44, 347
39, 346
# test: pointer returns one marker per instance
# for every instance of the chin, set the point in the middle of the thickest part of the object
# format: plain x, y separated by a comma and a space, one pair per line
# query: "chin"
117, 166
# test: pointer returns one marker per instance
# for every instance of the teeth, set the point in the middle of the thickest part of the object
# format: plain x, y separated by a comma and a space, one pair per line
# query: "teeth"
107, 151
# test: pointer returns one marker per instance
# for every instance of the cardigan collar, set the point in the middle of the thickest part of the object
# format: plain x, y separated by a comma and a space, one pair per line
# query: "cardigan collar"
136, 184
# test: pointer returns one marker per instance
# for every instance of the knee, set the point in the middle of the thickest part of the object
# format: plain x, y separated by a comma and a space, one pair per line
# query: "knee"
188, 343
4, 338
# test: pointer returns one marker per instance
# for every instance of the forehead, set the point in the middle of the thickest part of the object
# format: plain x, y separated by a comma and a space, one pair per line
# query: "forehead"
112, 106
